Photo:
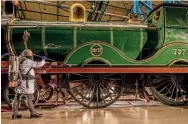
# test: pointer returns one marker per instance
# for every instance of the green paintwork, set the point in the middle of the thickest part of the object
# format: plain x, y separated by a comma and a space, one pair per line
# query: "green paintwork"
120, 58
155, 43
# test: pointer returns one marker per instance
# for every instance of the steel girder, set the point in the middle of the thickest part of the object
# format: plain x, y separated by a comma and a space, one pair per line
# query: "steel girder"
98, 9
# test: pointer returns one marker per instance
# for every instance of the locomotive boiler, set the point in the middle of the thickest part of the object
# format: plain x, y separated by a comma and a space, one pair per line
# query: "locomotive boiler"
160, 41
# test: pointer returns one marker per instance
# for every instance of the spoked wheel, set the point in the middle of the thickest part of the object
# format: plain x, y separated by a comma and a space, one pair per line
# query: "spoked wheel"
46, 92
95, 90
170, 89
58, 96
9, 94
53, 95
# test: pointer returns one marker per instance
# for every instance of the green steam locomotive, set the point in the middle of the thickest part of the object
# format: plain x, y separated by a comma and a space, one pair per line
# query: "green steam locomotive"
161, 41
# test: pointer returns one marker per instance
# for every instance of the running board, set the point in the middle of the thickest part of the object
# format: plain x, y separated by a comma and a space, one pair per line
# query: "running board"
67, 69
113, 70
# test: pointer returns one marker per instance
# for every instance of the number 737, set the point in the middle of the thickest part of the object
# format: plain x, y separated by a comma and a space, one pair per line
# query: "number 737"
179, 51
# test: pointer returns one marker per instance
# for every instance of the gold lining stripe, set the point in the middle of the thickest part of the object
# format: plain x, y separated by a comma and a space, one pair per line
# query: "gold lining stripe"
43, 35
75, 37
141, 41
97, 58
122, 54
9, 37
177, 60
111, 36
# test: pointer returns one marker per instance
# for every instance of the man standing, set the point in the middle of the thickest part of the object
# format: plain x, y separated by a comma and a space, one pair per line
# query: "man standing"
27, 86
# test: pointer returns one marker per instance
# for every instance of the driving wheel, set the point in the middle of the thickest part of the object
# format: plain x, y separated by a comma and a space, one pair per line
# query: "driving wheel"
95, 90
170, 89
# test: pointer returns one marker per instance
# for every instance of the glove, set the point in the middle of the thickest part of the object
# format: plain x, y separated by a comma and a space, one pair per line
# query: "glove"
43, 57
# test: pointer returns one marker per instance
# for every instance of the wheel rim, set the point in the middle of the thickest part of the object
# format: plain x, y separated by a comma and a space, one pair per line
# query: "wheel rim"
170, 88
95, 90
9, 94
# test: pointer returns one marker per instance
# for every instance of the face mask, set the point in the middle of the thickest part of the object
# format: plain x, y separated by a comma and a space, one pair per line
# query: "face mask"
29, 57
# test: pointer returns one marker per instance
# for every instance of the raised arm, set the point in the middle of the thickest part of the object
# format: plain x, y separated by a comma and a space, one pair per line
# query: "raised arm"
35, 64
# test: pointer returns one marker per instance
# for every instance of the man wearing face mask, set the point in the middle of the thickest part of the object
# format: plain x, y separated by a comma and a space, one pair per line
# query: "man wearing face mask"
27, 84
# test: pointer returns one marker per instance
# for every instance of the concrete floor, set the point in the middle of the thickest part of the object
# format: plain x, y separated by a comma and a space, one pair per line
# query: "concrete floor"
136, 113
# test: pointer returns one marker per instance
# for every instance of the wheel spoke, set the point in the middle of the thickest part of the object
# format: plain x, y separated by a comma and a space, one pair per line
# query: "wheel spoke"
102, 94
173, 90
97, 95
169, 88
164, 87
78, 86
107, 91
84, 96
85, 87
103, 88
93, 93
176, 92
181, 92
156, 82
110, 88
162, 83
167, 75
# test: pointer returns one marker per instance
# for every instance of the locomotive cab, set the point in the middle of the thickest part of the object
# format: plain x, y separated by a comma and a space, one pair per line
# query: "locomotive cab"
171, 20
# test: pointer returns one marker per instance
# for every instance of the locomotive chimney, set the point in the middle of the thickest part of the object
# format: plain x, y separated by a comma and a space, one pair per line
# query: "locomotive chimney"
77, 13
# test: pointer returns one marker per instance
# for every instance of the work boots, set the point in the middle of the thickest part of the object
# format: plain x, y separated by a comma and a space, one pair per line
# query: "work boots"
19, 116
16, 116
31, 108
15, 105
37, 115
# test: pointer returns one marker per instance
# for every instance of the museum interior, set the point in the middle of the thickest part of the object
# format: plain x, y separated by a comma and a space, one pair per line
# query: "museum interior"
94, 62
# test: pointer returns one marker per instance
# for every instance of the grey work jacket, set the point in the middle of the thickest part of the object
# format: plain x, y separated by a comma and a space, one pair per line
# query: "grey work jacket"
27, 68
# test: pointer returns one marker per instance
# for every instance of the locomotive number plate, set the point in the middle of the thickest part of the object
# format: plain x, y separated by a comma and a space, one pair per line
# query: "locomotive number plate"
179, 51
96, 50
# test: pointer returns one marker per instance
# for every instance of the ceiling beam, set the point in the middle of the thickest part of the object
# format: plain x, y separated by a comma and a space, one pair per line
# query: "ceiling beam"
68, 7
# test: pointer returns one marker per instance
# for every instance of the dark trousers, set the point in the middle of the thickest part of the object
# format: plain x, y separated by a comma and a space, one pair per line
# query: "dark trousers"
29, 103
